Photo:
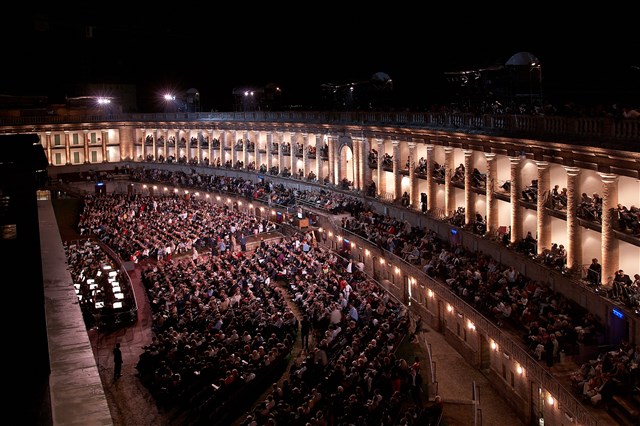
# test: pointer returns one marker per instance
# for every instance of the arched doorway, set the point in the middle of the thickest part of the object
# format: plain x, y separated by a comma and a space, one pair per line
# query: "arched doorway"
345, 171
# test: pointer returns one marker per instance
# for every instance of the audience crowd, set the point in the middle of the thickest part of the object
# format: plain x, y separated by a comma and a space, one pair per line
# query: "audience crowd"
221, 320
223, 316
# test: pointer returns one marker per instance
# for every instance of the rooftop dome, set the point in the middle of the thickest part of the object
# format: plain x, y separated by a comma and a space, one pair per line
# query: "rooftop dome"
523, 59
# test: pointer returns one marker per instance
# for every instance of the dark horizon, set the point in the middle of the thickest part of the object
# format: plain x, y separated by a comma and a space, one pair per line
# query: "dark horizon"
158, 53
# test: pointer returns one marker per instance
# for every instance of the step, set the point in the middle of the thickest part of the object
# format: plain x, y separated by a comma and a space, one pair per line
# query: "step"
626, 406
621, 417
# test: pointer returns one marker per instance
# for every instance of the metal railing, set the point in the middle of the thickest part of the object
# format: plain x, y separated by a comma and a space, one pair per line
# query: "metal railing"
579, 130
534, 370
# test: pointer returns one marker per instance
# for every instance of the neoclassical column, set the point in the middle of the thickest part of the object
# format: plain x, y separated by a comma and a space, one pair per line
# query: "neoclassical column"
198, 152
414, 195
382, 181
397, 176
305, 155
245, 150
331, 143
177, 145
449, 169
469, 204
431, 193
105, 136
199, 136
47, 138
543, 223
165, 144
492, 205
574, 234
516, 210
67, 145
268, 149
319, 145
223, 143
87, 140
356, 162
187, 137
210, 147
154, 138
280, 142
610, 247
168, 145
366, 168
292, 154
258, 156
127, 137
338, 165
234, 154
157, 147
144, 144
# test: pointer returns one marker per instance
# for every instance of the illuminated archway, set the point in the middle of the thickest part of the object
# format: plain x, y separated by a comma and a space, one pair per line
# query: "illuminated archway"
346, 163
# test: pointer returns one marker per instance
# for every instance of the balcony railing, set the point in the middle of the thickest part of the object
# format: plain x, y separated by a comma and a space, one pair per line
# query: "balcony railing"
601, 131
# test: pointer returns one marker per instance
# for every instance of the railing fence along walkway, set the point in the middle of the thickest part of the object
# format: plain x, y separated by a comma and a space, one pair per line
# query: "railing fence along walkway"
534, 370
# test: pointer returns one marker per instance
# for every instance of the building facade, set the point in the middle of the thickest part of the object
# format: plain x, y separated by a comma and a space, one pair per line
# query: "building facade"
511, 167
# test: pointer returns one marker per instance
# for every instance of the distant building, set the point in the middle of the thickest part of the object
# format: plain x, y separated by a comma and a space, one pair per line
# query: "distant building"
517, 81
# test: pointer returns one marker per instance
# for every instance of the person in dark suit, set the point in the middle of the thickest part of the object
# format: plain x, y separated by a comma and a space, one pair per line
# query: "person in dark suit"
415, 386
305, 330
594, 272
432, 414
117, 361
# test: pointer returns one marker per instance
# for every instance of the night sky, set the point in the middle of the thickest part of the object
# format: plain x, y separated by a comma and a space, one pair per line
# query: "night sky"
585, 58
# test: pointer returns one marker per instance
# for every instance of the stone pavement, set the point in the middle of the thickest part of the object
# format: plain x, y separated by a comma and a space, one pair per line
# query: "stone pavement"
455, 379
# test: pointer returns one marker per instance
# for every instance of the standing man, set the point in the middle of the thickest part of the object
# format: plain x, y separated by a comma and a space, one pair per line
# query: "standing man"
305, 329
415, 337
117, 362
415, 382
594, 272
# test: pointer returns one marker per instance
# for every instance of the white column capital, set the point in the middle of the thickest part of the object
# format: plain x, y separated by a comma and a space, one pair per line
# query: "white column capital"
573, 171
608, 177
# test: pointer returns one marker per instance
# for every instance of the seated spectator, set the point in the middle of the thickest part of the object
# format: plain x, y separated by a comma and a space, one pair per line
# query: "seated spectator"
405, 199
528, 244
458, 175
502, 311
530, 193
479, 180
621, 282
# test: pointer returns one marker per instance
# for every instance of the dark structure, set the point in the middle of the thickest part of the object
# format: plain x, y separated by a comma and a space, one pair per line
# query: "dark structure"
22, 172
